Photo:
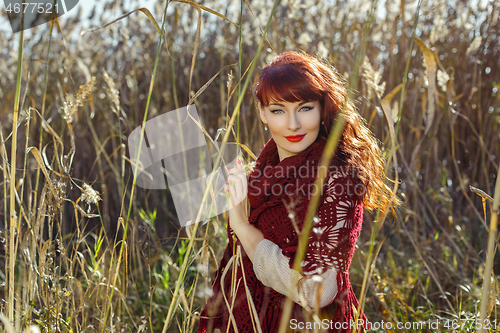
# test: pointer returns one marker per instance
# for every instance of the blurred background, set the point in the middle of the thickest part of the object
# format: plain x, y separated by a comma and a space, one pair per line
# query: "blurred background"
91, 252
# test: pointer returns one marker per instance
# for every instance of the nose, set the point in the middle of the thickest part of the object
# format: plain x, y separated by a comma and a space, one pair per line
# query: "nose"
293, 122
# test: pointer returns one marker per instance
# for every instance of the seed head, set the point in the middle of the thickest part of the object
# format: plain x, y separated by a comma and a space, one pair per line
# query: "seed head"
90, 195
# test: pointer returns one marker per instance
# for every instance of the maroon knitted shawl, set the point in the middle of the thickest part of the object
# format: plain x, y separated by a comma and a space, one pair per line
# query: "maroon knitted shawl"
279, 194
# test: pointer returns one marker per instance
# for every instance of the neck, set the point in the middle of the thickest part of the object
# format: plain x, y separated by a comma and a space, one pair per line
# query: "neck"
284, 153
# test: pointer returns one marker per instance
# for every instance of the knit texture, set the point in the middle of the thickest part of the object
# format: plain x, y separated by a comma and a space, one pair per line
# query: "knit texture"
279, 193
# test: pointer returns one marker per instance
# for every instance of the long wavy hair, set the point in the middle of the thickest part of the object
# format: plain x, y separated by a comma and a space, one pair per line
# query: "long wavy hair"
294, 76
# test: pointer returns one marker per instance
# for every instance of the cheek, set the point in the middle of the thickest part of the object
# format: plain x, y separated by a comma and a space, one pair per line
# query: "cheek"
274, 126
278, 124
312, 121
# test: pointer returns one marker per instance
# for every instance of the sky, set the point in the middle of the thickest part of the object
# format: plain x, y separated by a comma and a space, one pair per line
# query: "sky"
86, 7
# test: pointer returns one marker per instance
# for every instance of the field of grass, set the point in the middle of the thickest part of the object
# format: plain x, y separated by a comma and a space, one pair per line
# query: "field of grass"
83, 249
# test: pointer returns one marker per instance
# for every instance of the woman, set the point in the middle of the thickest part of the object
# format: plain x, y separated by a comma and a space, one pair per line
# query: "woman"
298, 97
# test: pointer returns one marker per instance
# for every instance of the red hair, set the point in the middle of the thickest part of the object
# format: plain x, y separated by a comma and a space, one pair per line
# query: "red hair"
294, 76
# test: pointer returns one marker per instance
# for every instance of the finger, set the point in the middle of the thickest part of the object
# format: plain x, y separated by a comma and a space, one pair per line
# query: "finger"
241, 176
240, 189
238, 185
234, 179
239, 172
232, 197
236, 171
239, 167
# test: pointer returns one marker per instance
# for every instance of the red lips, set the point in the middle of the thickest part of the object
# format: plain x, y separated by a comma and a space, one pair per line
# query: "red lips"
295, 138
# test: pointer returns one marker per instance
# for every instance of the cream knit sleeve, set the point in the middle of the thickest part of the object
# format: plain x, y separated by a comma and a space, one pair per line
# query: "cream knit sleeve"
272, 269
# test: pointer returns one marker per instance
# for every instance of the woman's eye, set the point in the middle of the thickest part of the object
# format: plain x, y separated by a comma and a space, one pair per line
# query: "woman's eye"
277, 111
304, 108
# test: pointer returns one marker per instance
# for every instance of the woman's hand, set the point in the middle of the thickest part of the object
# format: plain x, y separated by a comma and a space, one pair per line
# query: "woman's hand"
238, 200
248, 235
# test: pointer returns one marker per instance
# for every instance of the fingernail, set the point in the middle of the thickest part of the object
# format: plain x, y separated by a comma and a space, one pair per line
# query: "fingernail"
239, 161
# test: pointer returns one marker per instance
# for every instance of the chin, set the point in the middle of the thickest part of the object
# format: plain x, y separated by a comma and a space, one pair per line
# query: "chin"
295, 147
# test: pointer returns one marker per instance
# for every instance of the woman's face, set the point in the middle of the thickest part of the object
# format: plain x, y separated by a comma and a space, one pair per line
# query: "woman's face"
294, 126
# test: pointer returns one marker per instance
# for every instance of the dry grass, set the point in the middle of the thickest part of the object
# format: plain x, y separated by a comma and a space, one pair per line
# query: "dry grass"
92, 252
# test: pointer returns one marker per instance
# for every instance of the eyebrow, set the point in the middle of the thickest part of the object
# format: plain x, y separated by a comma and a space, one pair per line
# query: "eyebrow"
283, 105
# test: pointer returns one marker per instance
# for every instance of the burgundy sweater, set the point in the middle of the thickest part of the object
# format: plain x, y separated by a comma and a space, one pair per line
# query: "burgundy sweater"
279, 194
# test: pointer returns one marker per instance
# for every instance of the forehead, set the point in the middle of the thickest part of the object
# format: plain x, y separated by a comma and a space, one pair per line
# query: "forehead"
290, 97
